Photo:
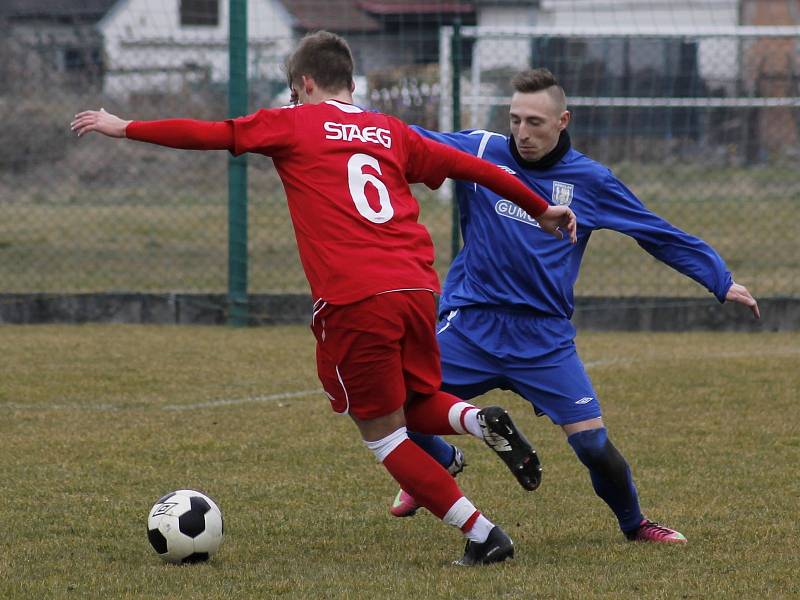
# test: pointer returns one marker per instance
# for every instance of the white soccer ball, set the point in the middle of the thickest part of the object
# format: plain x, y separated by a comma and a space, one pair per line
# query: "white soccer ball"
185, 527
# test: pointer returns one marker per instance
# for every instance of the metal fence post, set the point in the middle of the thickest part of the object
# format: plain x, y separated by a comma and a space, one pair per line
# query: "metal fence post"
455, 238
237, 168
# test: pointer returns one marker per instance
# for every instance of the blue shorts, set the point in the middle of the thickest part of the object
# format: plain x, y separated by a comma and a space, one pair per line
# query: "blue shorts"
534, 356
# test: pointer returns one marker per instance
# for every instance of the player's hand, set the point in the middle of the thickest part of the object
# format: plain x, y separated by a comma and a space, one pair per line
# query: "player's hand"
559, 219
99, 121
739, 293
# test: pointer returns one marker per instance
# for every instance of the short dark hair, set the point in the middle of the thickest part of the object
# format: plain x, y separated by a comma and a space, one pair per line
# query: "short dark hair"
533, 80
537, 80
323, 56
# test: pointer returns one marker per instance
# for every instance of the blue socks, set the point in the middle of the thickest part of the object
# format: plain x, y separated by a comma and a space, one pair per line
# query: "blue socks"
441, 451
611, 476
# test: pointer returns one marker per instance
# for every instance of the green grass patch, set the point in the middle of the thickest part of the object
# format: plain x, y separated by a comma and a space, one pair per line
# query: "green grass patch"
98, 421
167, 246
135, 217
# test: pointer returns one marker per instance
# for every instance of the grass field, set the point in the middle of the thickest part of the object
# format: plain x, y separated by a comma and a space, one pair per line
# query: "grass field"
96, 422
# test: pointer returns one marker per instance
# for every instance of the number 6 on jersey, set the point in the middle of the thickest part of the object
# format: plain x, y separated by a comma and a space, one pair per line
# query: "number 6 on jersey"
358, 180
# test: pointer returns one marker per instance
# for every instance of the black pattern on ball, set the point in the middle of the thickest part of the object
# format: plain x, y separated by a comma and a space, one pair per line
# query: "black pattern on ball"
197, 557
157, 541
185, 526
199, 504
192, 523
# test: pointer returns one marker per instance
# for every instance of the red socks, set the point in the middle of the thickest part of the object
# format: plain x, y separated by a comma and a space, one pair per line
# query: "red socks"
422, 477
439, 414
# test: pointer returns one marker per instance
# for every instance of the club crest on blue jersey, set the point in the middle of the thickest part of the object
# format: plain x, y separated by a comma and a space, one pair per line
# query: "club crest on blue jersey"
562, 193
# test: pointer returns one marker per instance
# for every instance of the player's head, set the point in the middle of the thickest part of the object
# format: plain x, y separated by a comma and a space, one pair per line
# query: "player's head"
538, 112
323, 62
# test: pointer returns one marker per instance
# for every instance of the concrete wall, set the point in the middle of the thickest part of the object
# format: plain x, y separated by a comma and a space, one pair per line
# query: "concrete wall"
598, 314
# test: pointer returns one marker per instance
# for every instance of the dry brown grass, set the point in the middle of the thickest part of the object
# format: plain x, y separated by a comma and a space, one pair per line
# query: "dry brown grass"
92, 432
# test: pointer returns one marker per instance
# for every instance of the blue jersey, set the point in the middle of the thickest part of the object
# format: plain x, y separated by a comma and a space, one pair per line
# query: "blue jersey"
508, 261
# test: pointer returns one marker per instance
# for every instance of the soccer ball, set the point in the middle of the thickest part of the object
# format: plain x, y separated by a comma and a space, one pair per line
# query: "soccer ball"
185, 527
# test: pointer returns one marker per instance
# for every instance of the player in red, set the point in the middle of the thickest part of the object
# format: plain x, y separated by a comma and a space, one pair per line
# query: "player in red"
346, 172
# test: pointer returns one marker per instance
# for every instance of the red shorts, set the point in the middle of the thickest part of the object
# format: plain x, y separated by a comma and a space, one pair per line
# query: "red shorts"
370, 354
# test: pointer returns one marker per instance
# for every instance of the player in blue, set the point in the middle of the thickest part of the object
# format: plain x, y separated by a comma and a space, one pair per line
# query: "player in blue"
507, 302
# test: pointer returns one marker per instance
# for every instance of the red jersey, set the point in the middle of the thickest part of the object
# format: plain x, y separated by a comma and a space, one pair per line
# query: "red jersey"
346, 172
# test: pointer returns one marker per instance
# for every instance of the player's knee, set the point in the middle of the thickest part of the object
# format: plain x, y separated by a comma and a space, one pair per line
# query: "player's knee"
596, 451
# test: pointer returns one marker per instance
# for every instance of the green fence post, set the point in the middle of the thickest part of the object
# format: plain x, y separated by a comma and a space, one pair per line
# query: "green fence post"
237, 168
455, 54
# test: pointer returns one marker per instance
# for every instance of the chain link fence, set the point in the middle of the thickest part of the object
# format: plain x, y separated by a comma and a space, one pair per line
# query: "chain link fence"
704, 129
701, 122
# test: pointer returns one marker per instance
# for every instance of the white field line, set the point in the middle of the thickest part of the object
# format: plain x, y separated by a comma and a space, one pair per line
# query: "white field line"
605, 362
245, 400
77, 406
222, 402
18, 406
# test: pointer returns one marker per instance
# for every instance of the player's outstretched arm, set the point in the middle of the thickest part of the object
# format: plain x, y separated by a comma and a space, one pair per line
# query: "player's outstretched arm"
99, 121
184, 134
739, 293
460, 165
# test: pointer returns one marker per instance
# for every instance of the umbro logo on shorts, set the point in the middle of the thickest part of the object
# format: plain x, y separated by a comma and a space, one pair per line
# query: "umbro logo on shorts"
584, 400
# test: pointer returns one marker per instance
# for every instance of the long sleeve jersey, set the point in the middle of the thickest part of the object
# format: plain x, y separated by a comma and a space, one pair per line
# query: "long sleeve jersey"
507, 261
346, 173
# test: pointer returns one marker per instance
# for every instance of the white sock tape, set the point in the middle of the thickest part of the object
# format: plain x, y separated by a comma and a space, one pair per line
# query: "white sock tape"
454, 416
458, 514
384, 447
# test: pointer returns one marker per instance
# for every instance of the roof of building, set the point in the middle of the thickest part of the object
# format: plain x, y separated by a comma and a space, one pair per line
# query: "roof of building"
336, 15
399, 7
365, 15
79, 9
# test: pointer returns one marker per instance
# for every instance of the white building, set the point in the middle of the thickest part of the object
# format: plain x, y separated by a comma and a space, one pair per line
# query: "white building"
717, 58
163, 45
